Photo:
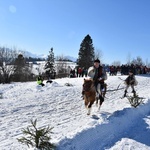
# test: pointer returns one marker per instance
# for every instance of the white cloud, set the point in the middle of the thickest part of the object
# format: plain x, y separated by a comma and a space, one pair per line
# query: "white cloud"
12, 9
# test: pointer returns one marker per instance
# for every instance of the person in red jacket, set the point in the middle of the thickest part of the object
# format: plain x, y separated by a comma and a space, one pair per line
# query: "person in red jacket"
80, 72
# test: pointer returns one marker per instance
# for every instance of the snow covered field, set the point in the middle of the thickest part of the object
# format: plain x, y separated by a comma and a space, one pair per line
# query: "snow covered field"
118, 127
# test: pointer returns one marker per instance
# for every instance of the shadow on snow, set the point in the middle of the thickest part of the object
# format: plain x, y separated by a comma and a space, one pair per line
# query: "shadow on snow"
126, 123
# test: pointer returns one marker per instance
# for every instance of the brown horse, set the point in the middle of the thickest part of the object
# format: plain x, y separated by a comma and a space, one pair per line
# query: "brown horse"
89, 94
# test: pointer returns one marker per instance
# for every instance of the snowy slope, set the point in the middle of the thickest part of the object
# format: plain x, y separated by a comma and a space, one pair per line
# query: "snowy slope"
118, 127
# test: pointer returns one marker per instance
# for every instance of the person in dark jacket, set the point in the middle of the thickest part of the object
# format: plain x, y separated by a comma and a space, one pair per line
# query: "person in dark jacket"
130, 81
98, 74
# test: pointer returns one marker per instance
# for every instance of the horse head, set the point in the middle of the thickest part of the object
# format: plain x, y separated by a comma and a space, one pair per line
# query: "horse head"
88, 85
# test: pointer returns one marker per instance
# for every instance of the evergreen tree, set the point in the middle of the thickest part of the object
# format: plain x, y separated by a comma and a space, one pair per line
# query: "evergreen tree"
86, 53
37, 137
49, 66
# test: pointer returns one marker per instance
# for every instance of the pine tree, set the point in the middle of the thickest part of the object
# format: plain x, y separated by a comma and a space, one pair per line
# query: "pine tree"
86, 53
37, 137
49, 66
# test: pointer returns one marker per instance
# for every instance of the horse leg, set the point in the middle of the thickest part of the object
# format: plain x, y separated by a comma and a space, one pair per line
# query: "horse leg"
97, 97
89, 111
104, 90
87, 105
86, 102
101, 101
97, 101
90, 106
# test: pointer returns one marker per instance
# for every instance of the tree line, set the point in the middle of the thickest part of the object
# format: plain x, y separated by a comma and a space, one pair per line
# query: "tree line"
15, 67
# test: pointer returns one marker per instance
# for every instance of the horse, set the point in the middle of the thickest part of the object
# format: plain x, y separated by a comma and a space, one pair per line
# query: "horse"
89, 94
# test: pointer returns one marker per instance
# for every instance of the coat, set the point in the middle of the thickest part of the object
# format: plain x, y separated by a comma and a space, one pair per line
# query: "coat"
100, 75
130, 80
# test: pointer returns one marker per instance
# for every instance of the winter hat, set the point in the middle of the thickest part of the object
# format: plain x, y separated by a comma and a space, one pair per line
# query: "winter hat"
97, 60
130, 71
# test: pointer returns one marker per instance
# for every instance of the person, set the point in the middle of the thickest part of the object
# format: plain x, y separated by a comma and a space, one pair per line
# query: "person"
98, 74
72, 73
130, 81
40, 80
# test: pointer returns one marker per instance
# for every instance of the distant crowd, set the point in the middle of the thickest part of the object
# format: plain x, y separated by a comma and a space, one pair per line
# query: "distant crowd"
124, 69
78, 72
112, 70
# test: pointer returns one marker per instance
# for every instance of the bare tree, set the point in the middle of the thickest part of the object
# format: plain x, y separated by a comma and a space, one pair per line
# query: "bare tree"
98, 54
146, 62
138, 61
7, 57
116, 63
61, 66
129, 59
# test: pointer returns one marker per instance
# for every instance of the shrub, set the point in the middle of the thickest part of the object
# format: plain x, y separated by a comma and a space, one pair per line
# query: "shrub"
38, 138
135, 100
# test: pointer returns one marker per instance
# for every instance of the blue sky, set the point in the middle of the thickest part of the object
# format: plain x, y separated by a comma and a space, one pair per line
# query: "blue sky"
120, 29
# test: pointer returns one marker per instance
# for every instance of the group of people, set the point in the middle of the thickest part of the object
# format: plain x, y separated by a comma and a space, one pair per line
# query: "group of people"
78, 72
98, 74
124, 69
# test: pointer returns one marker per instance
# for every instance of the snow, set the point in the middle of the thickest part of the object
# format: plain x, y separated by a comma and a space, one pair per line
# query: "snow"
117, 126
